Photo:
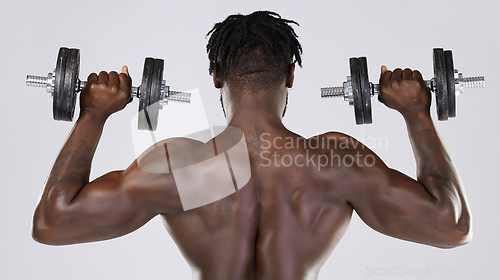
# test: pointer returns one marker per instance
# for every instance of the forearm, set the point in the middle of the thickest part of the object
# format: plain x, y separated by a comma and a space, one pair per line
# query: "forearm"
71, 169
435, 169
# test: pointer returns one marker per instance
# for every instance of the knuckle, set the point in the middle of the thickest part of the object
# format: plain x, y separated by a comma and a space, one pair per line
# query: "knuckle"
124, 91
101, 86
113, 88
124, 76
417, 73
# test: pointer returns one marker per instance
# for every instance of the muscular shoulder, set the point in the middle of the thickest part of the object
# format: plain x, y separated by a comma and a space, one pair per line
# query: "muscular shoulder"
334, 140
186, 169
162, 156
347, 163
150, 179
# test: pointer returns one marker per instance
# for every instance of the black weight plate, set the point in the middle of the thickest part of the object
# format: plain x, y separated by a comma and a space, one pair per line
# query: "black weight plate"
441, 84
144, 92
155, 93
365, 90
450, 77
60, 73
68, 97
356, 90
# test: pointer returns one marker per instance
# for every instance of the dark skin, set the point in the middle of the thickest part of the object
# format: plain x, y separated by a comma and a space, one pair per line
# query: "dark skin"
286, 220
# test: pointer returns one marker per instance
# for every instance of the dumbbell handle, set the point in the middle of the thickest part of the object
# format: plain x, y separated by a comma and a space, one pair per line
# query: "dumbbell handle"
461, 83
166, 93
375, 89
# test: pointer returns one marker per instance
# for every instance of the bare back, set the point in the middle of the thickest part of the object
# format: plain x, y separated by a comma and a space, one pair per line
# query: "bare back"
283, 224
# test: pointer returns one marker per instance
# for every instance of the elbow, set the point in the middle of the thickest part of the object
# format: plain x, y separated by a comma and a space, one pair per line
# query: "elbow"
38, 226
41, 234
456, 239
44, 230
463, 231
46, 236
39, 237
458, 233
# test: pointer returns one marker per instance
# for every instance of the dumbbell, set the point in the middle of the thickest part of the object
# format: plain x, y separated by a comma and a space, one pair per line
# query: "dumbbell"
446, 84
63, 84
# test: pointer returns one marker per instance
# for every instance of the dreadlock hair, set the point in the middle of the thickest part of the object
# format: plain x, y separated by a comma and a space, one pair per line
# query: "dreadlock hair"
254, 50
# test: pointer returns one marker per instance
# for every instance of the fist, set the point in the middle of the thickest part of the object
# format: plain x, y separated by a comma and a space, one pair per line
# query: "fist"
105, 94
404, 91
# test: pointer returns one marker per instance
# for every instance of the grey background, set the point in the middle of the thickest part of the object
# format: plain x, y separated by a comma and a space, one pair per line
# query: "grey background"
113, 33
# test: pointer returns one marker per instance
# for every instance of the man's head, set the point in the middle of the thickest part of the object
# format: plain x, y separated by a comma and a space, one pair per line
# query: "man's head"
254, 51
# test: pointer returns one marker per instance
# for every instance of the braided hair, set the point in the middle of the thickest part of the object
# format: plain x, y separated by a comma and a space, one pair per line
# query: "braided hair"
255, 49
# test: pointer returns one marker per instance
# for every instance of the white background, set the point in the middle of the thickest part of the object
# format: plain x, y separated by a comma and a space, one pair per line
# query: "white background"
112, 33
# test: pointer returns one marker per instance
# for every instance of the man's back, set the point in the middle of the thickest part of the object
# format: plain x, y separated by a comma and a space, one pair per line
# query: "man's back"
283, 223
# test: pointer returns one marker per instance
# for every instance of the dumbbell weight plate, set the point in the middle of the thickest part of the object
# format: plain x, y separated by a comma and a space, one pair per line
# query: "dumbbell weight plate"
66, 78
365, 90
144, 122
441, 84
70, 83
356, 90
450, 77
155, 93
59, 74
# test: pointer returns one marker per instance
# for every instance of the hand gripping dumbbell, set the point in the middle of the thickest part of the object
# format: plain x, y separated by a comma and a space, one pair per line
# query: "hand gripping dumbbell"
446, 84
63, 84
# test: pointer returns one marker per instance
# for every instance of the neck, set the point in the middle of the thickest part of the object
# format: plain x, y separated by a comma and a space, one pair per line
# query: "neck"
261, 109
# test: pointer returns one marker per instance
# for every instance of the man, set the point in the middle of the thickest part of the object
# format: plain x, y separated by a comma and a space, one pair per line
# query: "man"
292, 211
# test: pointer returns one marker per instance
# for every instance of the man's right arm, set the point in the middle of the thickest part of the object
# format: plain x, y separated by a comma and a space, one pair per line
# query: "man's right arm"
432, 209
74, 210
